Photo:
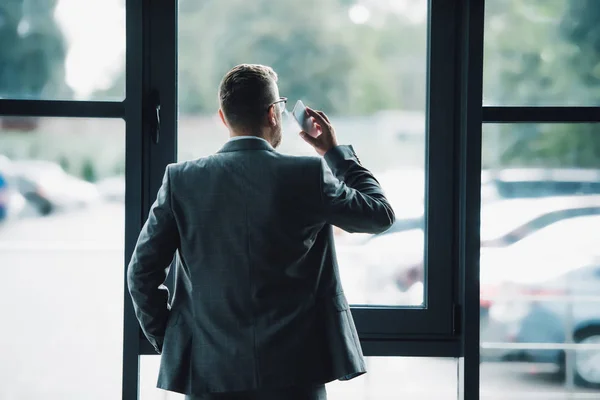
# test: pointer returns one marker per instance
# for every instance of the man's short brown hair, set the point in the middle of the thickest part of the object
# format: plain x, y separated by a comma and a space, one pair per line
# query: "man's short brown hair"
245, 94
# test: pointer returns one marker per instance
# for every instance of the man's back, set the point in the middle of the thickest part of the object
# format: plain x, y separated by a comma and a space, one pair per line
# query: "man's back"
258, 301
256, 254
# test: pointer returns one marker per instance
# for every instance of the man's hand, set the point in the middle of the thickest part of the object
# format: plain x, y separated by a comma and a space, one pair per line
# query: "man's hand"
327, 139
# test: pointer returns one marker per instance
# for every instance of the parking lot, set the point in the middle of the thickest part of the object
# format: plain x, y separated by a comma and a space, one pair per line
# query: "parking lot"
62, 311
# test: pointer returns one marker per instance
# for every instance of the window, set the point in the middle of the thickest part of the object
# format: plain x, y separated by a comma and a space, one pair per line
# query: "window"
540, 150
62, 50
81, 86
61, 255
538, 287
372, 79
541, 53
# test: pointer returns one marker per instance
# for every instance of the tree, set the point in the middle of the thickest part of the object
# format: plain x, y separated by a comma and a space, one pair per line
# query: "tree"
32, 50
88, 170
215, 35
580, 27
542, 52
331, 63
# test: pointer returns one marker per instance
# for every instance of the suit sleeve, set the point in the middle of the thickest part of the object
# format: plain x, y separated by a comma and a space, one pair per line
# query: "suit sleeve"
351, 197
149, 266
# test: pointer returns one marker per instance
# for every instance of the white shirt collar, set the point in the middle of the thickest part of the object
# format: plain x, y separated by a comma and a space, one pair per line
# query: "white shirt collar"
248, 137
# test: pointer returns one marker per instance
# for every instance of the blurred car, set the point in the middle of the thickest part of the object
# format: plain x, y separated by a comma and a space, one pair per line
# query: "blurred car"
556, 311
3, 198
405, 189
397, 258
547, 292
112, 189
515, 204
12, 203
49, 188
394, 265
510, 183
508, 222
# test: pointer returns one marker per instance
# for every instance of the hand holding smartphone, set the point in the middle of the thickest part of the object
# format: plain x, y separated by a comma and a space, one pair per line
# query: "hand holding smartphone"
316, 128
304, 120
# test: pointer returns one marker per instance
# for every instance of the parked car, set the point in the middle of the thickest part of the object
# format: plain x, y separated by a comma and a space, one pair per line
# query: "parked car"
3, 198
546, 290
12, 203
496, 185
397, 258
565, 309
394, 264
112, 189
509, 221
49, 188
513, 183
404, 189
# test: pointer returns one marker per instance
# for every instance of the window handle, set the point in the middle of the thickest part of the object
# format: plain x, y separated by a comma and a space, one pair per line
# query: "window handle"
154, 113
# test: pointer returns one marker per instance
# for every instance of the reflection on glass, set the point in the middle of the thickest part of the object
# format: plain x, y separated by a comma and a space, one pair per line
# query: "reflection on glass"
62, 49
540, 261
541, 52
61, 258
387, 378
365, 68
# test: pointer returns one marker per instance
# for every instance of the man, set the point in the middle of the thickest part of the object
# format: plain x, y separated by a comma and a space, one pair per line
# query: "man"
258, 310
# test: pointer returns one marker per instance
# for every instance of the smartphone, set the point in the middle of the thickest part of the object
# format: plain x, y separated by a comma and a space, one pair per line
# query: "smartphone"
304, 121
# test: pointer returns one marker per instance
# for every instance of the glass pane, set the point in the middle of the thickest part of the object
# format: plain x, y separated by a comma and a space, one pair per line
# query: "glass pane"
62, 50
541, 52
61, 258
381, 382
366, 68
540, 261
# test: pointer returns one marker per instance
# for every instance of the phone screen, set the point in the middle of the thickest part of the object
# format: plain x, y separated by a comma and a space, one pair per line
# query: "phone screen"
303, 119
300, 115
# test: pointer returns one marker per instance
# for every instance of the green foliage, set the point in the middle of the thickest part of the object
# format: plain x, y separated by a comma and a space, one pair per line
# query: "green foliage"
32, 50
64, 162
544, 52
217, 35
580, 26
118, 168
548, 145
88, 170
330, 63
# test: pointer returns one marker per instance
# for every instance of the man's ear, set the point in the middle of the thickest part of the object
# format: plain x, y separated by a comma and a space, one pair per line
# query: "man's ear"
222, 116
272, 117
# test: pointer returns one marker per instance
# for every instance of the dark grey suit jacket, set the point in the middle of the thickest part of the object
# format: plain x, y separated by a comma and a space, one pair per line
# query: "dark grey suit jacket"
257, 301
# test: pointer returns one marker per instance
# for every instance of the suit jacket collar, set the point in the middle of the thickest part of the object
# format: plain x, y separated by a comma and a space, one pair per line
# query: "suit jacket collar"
246, 144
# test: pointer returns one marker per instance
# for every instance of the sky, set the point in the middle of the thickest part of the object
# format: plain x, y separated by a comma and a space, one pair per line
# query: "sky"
95, 32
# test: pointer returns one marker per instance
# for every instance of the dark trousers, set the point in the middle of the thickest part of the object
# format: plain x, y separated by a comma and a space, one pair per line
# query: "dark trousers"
314, 392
